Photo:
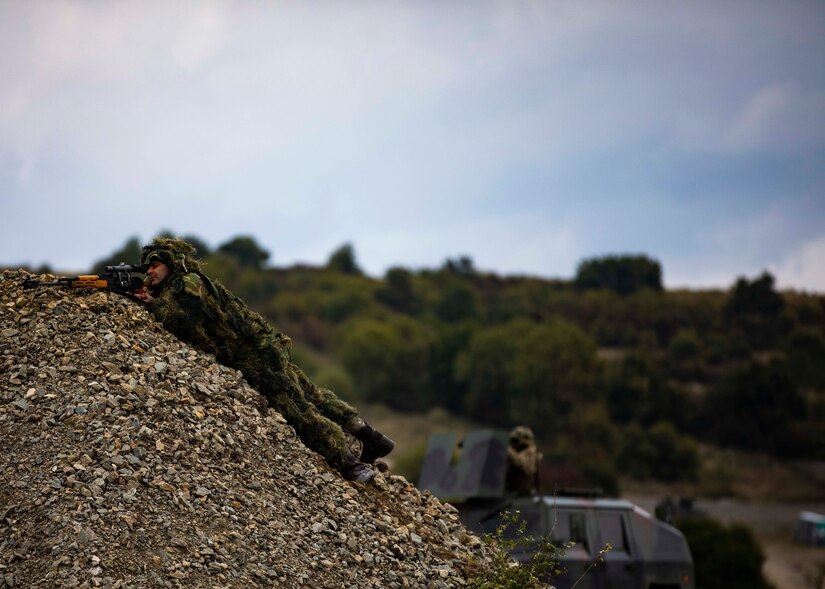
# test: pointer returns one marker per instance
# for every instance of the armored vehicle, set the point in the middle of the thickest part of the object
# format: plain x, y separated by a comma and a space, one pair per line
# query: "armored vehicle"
645, 553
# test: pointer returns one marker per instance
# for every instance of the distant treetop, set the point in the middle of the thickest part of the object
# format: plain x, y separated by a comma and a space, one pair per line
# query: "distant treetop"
343, 260
461, 266
623, 274
246, 250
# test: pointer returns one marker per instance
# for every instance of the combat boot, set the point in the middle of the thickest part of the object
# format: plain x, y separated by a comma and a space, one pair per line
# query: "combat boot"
356, 471
374, 444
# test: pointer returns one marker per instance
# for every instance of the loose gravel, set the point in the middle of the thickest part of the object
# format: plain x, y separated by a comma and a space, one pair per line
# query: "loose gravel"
130, 460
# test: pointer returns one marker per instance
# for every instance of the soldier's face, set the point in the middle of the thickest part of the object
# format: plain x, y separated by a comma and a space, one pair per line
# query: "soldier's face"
157, 273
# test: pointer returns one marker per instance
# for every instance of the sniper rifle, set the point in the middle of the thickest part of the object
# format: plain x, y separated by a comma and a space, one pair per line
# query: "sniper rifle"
119, 279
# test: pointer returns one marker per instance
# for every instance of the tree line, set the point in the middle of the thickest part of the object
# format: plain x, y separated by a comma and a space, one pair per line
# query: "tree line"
613, 372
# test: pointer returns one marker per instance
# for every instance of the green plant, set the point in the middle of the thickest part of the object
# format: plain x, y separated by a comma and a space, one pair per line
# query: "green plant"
724, 557
504, 572
659, 452
387, 361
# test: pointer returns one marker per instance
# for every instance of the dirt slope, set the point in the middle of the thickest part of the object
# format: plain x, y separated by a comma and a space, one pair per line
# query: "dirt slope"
131, 460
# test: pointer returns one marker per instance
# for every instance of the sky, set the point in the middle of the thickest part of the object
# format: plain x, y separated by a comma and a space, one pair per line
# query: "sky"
528, 136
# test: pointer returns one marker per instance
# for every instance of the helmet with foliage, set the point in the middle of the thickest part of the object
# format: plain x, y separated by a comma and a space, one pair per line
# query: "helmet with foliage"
178, 254
521, 436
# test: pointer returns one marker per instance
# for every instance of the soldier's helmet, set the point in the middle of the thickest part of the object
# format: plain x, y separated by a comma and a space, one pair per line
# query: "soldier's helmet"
521, 435
175, 253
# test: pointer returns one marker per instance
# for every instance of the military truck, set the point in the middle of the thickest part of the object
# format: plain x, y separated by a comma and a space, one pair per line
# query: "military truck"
645, 553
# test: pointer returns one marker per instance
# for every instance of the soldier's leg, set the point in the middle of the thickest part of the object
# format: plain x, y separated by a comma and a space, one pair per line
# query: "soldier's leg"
374, 444
276, 356
318, 433
328, 403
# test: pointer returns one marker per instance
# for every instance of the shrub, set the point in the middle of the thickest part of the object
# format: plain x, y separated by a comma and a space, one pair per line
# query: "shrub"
506, 573
805, 348
773, 403
660, 453
723, 557
388, 361
535, 572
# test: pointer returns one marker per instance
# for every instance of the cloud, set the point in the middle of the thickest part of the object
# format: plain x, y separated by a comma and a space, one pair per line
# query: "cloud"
419, 130
201, 35
776, 118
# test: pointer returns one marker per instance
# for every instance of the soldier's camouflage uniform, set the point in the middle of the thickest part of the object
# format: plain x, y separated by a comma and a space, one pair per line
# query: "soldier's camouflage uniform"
523, 460
203, 313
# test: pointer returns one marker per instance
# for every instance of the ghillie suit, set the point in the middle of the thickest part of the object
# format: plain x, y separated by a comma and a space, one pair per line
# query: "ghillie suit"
523, 459
203, 313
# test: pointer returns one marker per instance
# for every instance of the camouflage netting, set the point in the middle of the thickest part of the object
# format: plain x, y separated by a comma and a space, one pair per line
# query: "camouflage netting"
132, 460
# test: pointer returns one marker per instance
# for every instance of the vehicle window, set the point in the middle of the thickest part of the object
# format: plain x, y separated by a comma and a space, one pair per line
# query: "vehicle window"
613, 530
578, 531
569, 527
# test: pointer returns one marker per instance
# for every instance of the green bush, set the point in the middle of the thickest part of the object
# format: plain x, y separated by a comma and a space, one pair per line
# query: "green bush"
484, 369
528, 373
456, 303
659, 452
755, 408
685, 354
724, 557
506, 573
398, 292
755, 308
805, 349
589, 443
388, 361
638, 390
537, 571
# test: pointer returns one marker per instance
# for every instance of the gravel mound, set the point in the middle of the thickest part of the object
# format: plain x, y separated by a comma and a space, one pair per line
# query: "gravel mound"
129, 459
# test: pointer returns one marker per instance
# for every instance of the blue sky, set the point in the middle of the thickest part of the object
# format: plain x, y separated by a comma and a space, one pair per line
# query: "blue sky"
527, 135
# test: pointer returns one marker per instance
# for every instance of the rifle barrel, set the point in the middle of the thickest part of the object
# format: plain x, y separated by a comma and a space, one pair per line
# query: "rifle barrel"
34, 283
